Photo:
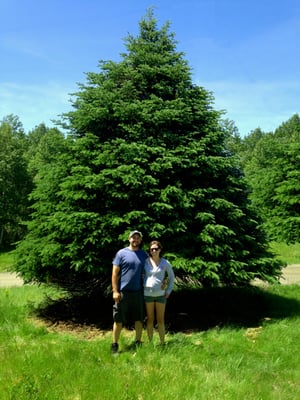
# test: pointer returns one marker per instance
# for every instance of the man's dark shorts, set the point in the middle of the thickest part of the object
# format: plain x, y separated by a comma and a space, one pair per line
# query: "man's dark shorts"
130, 308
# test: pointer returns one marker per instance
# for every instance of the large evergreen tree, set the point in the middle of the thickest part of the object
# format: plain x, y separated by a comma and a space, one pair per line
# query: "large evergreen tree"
146, 152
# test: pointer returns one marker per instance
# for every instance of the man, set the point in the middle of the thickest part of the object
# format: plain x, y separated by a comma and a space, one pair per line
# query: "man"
127, 288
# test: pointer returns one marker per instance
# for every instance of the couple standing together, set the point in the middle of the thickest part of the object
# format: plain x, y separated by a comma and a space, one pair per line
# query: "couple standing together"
130, 293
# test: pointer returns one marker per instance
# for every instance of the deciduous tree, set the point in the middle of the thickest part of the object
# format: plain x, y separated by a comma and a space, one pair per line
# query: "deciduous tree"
15, 183
272, 168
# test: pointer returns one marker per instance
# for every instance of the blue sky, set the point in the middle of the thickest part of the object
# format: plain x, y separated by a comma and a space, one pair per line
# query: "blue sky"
247, 53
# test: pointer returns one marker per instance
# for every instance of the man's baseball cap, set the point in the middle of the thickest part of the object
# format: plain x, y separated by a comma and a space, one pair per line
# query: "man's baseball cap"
135, 233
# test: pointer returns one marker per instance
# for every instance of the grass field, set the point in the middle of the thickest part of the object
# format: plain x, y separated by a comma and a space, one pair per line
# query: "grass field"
287, 253
245, 360
6, 261
227, 344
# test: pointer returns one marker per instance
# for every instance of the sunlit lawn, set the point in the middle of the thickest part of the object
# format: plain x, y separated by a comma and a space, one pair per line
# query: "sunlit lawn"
287, 253
6, 260
223, 361
229, 362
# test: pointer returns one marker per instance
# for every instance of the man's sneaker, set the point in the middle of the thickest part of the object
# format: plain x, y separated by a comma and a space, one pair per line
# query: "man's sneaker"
114, 348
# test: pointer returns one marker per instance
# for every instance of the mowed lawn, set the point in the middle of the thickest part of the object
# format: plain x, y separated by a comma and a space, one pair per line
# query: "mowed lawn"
225, 343
251, 355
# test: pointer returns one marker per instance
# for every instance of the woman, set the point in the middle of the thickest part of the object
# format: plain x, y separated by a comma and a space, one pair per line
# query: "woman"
157, 288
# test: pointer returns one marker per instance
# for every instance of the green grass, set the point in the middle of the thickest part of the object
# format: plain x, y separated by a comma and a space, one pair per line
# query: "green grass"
6, 261
259, 362
287, 253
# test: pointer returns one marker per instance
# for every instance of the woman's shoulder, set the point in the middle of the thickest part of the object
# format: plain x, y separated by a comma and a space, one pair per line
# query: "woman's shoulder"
165, 262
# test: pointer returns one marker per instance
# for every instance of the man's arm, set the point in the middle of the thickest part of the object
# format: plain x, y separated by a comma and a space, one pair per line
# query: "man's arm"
115, 283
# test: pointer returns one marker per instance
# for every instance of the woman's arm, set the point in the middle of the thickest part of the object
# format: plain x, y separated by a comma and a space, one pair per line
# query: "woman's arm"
171, 279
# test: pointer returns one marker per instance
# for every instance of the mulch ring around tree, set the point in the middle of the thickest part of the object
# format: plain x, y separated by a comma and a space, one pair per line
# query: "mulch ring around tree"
187, 311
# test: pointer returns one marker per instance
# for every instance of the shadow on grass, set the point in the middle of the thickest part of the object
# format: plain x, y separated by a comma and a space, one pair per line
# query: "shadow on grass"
241, 307
187, 310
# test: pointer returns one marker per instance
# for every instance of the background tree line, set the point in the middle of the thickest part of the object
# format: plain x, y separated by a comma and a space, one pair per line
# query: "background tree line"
271, 163
21, 156
145, 149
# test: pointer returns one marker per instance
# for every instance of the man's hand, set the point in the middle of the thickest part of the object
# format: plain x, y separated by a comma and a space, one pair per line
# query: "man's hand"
117, 297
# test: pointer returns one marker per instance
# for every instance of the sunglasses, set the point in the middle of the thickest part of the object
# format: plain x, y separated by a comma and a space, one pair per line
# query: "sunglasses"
154, 249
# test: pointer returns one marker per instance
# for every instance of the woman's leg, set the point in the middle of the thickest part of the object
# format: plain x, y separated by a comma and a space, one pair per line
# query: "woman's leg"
117, 327
160, 318
150, 319
138, 326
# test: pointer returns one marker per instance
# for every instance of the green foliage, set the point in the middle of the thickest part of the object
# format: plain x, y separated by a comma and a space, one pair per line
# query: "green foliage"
146, 151
43, 145
15, 182
272, 168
